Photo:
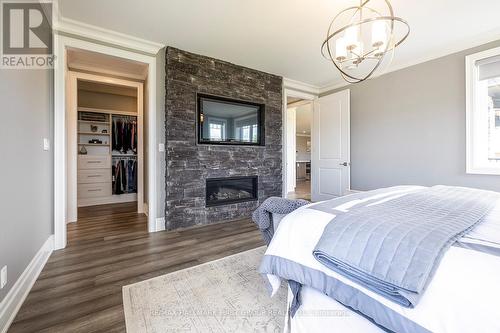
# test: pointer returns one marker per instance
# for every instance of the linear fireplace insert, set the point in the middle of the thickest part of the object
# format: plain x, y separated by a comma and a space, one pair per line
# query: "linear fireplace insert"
224, 191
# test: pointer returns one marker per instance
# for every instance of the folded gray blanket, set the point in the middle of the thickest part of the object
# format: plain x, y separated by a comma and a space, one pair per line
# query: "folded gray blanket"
394, 247
273, 205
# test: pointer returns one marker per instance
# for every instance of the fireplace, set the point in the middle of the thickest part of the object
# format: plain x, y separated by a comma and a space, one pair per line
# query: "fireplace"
224, 191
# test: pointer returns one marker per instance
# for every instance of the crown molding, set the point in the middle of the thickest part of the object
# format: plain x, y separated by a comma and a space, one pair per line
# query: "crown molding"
330, 87
300, 86
90, 32
299, 103
312, 89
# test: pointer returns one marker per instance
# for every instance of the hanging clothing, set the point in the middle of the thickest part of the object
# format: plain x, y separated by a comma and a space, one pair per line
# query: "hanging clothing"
124, 175
124, 134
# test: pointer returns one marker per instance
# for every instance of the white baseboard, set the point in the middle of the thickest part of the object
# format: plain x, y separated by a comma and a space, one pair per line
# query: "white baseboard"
16, 296
160, 223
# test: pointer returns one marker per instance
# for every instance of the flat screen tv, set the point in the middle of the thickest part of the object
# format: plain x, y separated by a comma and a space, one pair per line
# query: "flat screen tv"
227, 121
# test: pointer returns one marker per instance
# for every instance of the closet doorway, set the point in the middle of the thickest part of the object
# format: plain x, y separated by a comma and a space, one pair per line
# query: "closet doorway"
105, 135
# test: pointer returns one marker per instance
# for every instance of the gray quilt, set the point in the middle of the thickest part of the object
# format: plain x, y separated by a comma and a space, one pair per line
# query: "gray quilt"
394, 247
262, 216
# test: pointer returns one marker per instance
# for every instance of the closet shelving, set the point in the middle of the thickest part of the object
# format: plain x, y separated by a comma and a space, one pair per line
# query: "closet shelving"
98, 172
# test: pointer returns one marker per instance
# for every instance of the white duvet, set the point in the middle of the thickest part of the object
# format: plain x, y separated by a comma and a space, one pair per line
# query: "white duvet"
463, 295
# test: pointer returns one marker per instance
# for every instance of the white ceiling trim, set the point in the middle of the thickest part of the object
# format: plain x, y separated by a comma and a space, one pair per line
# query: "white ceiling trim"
108, 37
299, 103
300, 87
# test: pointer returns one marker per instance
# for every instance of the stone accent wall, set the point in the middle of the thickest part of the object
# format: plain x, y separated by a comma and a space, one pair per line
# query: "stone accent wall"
190, 163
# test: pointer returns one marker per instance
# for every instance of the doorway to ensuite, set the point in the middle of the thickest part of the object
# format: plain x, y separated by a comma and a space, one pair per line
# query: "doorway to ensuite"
316, 150
299, 113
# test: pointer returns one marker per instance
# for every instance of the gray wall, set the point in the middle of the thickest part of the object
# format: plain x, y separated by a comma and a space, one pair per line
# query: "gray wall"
26, 170
408, 127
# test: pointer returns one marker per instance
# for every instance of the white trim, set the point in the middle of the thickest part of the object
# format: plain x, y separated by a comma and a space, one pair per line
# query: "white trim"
289, 92
61, 43
83, 30
302, 90
20, 290
348, 140
326, 90
470, 92
299, 103
291, 148
160, 224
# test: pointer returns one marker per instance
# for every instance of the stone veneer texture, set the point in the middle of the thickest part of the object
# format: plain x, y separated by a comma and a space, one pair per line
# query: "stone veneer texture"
189, 164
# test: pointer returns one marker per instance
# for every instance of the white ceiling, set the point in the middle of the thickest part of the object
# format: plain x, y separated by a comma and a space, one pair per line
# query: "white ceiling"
283, 37
107, 88
223, 110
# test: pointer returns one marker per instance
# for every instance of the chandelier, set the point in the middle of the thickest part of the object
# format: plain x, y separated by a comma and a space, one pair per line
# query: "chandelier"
361, 39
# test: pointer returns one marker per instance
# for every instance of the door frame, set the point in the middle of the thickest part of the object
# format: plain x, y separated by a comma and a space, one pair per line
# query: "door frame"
61, 44
289, 92
291, 161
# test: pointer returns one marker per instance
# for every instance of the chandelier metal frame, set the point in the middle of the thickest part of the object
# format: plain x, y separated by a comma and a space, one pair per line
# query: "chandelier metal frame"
390, 45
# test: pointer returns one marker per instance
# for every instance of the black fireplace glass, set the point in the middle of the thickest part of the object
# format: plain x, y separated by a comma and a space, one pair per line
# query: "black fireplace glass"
223, 191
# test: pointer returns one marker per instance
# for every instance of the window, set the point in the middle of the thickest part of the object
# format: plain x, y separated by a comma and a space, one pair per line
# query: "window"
247, 129
217, 130
254, 133
483, 112
245, 133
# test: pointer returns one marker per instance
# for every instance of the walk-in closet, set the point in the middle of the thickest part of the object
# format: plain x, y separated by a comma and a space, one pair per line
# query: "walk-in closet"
105, 140
107, 144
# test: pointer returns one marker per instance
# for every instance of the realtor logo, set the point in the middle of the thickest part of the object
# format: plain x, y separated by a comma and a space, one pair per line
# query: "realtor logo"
27, 35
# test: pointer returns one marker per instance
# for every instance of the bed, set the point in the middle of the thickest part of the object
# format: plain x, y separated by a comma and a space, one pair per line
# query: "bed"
462, 295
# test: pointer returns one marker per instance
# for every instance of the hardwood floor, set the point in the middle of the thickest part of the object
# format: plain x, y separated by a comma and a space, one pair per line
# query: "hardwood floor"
302, 190
80, 288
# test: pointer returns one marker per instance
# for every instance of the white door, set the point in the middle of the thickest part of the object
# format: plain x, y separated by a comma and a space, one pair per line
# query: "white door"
330, 162
291, 133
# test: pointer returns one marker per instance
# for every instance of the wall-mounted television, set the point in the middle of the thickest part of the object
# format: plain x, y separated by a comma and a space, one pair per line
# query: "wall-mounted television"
228, 121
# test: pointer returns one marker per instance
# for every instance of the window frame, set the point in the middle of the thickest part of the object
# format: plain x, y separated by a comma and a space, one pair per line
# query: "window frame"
471, 75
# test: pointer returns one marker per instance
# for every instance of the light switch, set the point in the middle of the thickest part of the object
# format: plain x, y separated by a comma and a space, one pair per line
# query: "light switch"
3, 277
161, 147
46, 144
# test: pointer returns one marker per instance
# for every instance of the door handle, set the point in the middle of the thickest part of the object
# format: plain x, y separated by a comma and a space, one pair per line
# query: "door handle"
344, 164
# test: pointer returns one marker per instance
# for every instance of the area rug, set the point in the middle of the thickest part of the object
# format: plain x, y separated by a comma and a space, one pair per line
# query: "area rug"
225, 295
